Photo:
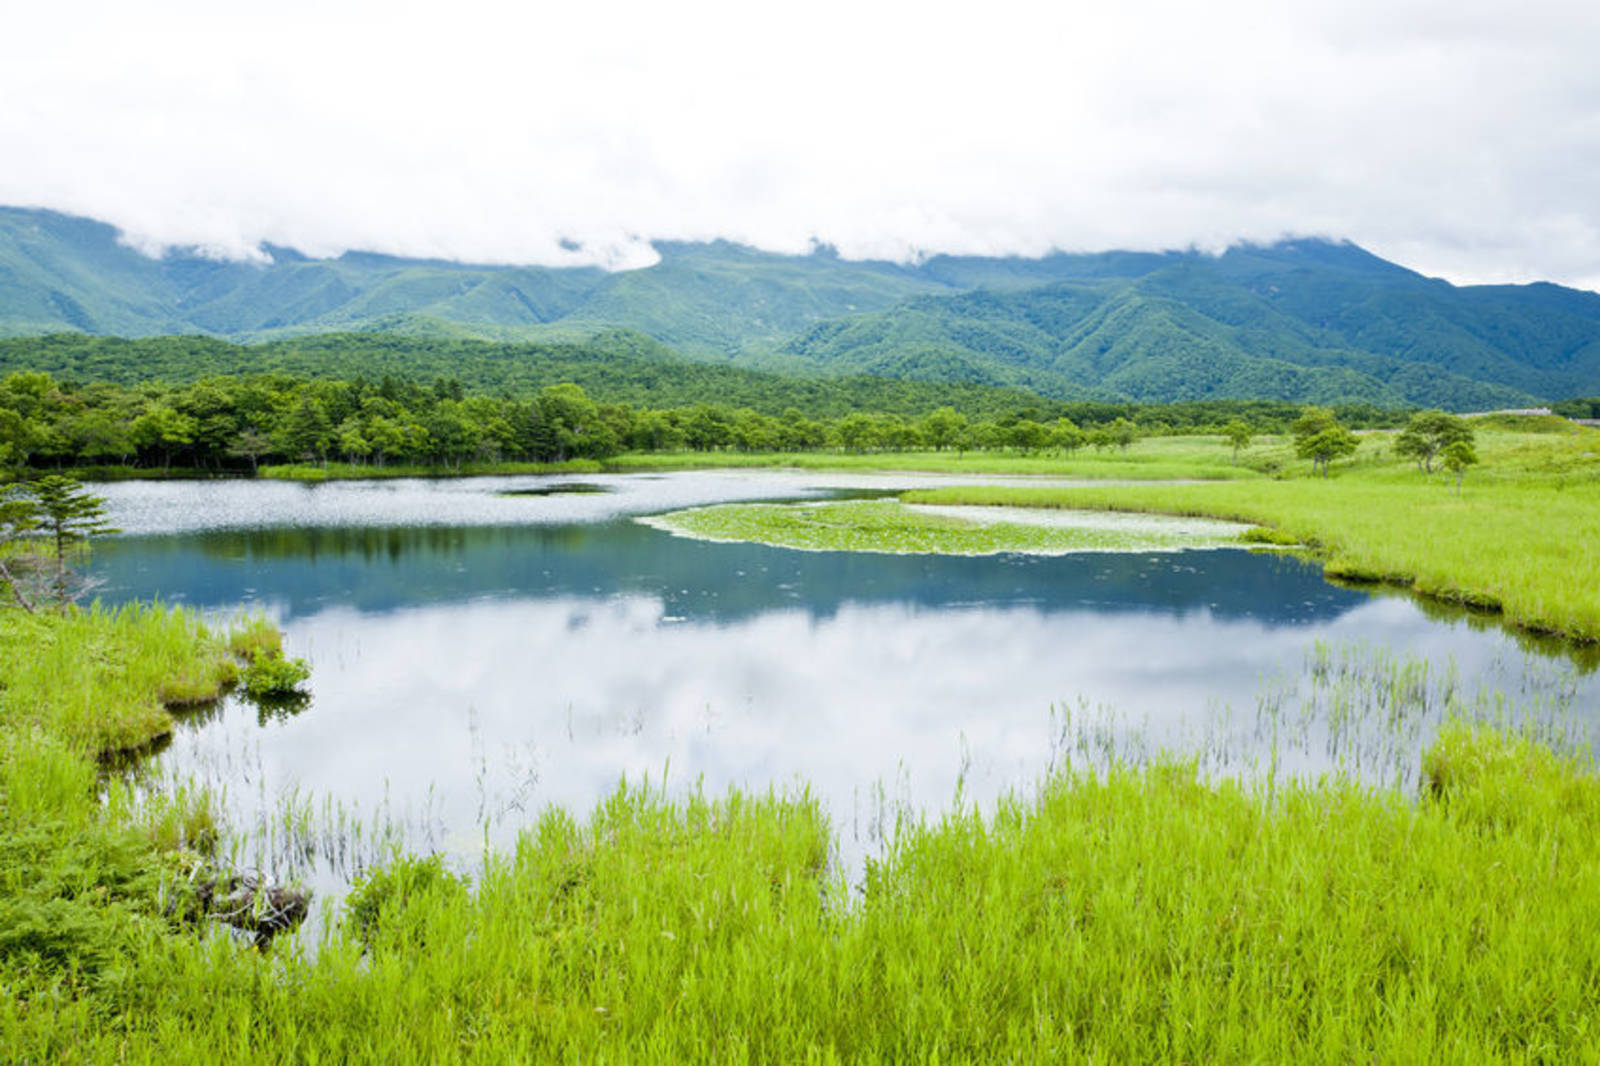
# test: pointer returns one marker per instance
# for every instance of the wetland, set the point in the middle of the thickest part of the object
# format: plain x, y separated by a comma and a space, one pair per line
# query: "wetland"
485, 649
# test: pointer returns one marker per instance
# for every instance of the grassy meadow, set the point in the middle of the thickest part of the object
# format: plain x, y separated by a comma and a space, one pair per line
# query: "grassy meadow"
1153, 459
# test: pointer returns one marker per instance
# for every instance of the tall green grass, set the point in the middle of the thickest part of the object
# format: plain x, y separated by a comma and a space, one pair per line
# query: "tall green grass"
102, 679
1126, 914
1119, 911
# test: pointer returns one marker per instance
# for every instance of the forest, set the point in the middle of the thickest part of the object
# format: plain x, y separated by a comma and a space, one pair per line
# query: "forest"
236, 423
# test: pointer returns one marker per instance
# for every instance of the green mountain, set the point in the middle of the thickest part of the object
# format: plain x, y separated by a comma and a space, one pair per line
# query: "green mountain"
1306, 320
617, 366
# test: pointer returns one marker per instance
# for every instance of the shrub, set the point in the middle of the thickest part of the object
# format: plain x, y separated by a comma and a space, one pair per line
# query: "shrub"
270, 674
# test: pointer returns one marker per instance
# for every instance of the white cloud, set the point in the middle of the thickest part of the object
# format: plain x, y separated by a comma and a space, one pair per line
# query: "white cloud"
1459, 138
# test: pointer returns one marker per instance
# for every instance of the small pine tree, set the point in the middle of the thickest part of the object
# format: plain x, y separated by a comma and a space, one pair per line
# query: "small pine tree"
69, 516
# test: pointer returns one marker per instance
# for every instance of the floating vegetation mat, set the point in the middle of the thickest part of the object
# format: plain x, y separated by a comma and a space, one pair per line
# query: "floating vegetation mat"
900, 529
565, 488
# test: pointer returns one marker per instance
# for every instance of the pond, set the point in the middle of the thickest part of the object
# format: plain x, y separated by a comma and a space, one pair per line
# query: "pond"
484, 648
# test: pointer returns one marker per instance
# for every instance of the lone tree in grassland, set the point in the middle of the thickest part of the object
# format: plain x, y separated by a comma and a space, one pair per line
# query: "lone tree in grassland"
67, 515
1238, 434
1456, 457
1318, 436
1428, 435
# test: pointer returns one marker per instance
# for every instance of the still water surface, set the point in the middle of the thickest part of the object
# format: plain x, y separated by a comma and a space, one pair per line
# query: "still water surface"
478, 656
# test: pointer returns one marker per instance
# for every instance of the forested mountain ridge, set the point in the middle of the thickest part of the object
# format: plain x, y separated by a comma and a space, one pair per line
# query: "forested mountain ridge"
617, 366
1305, 320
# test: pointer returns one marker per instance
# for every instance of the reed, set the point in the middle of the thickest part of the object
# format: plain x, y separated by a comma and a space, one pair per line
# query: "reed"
1127, 913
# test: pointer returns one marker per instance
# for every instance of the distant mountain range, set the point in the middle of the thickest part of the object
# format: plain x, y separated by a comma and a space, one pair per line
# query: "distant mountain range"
1303, 320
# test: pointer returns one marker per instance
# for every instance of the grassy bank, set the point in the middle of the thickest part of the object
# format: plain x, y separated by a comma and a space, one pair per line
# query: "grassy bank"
1514, 539
90, 880
369, 472
1156, 459
1128, 915
107, 679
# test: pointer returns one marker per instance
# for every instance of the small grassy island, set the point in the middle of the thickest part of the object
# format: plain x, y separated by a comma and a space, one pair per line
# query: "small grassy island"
896, 528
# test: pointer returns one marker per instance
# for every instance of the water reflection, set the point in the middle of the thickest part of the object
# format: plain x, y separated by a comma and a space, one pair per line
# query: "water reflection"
488, 711
466, 676
303, 570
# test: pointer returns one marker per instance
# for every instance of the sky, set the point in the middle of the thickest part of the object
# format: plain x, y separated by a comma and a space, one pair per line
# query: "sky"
1461, 139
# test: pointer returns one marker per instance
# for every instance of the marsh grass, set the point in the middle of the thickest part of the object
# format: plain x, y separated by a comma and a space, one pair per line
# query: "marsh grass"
1513, 541
888, 526
102, 678
1118, 913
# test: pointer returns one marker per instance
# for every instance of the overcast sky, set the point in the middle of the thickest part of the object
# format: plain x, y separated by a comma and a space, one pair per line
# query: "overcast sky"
1460, 138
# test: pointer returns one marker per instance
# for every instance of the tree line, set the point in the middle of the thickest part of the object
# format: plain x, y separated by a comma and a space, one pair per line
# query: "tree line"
238, 422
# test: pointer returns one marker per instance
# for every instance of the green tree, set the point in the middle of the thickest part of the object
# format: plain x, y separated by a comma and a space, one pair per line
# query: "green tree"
163, 430
1027, 436
569, 417
1456, 457
307, 430
1238, 434
1318, 436
1428, 435
251, 444
1065, 436
653, 431
941, 428
352, 442
1123, 433
69, 515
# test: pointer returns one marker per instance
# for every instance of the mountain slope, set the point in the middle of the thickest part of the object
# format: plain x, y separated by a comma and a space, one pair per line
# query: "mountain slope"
1305, 320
